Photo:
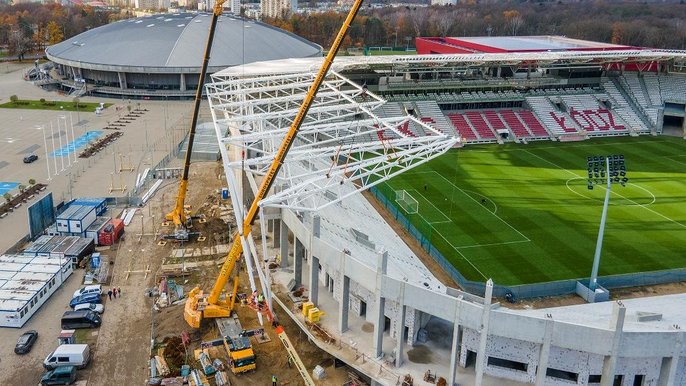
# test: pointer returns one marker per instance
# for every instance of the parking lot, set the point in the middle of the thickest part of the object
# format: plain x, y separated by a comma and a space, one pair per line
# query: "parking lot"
120, 347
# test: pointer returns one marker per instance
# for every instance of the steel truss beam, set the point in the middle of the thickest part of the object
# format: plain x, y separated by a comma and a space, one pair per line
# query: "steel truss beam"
342, 148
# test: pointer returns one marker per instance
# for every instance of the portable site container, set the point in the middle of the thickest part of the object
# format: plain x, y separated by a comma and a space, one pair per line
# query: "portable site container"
81, 219
100, 204
25, 284
110, 234
48, 247
62, 219
33, 249
81, 248
96, 227
60, 249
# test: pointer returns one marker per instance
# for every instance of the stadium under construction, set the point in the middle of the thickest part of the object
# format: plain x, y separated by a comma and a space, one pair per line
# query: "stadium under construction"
376, 117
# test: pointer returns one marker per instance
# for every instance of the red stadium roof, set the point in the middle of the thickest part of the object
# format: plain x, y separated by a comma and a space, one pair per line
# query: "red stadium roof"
504, 44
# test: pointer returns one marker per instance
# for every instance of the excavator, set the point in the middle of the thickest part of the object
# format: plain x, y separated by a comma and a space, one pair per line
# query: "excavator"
200, 305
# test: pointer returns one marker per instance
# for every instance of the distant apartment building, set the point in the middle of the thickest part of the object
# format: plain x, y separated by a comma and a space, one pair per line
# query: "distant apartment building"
443, 2
152, 4
276, 8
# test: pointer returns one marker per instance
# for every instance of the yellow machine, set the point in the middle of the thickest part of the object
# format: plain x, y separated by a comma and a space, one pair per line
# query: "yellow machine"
199, 305
180, 216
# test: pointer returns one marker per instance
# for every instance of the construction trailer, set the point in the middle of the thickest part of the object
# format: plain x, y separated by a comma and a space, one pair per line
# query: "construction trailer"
241, 355
75, 219
96, 228
58, 247
26, 283
100, 204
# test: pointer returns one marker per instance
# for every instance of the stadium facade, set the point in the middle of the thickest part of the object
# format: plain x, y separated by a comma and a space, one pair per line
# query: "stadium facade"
353, 264
159, 56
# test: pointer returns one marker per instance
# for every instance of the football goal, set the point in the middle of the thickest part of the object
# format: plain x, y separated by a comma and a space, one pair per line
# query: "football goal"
406, 201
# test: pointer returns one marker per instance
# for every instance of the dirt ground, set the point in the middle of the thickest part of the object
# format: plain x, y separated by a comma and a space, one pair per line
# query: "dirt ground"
203, 195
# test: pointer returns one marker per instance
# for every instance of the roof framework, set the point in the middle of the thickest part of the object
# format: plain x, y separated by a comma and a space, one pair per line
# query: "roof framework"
342, 143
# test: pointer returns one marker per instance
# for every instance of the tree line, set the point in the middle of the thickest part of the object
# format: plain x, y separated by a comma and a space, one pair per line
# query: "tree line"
657, 25
30, 27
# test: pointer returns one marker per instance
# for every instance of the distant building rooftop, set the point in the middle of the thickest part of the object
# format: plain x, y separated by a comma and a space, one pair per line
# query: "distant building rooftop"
500, 44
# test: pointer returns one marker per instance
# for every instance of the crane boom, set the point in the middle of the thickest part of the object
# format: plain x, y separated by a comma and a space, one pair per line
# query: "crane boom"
178, 214
199, 305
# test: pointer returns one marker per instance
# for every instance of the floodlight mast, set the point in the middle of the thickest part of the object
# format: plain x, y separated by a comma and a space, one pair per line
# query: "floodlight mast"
611, 173
601, 232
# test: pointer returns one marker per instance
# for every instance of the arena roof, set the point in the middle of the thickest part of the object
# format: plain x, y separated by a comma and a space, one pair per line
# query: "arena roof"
164, 42
495, 44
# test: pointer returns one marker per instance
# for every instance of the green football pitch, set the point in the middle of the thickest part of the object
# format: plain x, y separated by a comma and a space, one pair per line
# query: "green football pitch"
524, 214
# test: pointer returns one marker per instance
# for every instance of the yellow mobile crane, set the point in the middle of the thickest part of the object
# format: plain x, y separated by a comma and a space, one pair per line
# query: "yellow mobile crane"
198, 304
179, 216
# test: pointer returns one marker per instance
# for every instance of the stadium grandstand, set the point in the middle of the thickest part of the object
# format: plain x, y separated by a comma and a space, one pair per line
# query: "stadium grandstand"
376, 118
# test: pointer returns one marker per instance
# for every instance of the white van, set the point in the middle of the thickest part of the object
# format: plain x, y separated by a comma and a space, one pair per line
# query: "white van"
68, 355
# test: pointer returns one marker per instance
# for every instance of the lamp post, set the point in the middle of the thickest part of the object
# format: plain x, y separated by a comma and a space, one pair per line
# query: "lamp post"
61, 149
54, 155
45, 145
73, 139
613, 172
66, 138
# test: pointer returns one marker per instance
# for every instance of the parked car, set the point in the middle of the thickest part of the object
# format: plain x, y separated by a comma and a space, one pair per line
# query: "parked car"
80, 319
65, 375
25, 342
98, 308
88, 298
89, 289
30, 158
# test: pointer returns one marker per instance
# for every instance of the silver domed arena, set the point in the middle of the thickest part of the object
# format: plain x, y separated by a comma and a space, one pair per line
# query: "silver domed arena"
159, 56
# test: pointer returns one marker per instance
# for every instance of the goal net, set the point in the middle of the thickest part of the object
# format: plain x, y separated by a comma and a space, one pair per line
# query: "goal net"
406, 201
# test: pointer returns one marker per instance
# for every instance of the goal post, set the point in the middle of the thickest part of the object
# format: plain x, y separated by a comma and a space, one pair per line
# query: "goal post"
405, 200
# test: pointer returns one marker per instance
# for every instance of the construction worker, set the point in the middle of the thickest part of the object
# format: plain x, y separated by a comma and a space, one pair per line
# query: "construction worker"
260, 298
274, 380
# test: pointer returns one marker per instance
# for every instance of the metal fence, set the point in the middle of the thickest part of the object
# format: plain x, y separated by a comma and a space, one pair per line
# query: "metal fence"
554, 288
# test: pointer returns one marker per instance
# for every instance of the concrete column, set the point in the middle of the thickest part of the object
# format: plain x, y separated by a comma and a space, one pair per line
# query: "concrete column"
283, 241
276, 232
270, 225
610, 361
544, 354
485, 319
400, 338
314, 279
379, 320
455, 348
182, 82
669, 364
298, 249
122, 80
344, 305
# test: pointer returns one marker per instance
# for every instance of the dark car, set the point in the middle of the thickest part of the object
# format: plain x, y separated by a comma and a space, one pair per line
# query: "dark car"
64, 375
25, 342
30, 158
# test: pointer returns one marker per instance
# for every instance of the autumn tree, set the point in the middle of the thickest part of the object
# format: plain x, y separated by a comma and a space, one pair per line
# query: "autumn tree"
55, 34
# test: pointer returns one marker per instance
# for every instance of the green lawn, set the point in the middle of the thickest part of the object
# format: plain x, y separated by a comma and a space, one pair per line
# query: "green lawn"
52, 105
539, 221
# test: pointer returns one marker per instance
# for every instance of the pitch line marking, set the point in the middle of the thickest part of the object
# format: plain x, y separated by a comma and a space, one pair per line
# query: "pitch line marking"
473, 199
626, 198
594, 199
557, 147
493, 244
495, 206
456, 250
671, 158
447, 219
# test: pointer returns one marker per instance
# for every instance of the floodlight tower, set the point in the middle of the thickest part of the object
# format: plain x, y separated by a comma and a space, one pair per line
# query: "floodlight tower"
613, 173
